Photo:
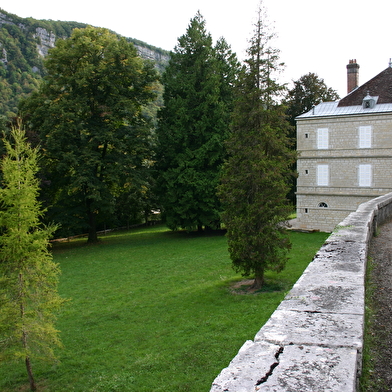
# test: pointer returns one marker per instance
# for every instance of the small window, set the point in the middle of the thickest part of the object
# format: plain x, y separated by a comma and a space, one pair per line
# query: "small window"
369, 102
322, 175
365, 136
306, 135
306, 171
306, 210
323, 205
322, 138
365, 175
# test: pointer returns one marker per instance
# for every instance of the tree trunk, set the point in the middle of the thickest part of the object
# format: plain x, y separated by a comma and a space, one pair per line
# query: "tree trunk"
258, 282
92, 230
30, 373
24, 333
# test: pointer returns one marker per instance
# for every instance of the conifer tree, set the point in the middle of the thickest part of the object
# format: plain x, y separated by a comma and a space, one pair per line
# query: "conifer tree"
192, 128
257, 173
28, 275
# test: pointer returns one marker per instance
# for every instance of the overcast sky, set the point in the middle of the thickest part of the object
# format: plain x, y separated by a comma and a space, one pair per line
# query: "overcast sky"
313, 36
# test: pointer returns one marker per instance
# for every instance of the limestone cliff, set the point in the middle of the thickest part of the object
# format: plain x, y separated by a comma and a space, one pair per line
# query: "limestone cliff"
46, 40
24, 42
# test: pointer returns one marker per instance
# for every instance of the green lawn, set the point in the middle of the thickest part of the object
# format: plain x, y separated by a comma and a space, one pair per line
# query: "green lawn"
153, 310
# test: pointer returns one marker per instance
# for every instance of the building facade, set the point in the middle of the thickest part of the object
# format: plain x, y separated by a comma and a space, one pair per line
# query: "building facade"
345, 152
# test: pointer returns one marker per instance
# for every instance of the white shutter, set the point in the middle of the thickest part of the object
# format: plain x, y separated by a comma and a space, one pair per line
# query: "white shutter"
322, 138
365, 175
365, 136
322, 175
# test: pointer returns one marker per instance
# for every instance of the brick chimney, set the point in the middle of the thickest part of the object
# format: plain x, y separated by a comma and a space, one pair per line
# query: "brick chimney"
352, 75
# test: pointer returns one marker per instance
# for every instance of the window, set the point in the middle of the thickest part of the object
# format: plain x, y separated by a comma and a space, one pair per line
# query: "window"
322, 138
369, 102
323, 205
365, 175
306, 135
322, 175
365, 136
306, 171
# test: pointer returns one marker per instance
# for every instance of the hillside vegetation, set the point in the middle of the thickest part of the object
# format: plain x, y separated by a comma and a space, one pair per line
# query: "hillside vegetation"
23, 44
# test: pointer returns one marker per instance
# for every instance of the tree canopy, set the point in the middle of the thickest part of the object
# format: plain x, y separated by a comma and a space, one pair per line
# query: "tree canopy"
309, 90
88, 114
258, 170
193, 126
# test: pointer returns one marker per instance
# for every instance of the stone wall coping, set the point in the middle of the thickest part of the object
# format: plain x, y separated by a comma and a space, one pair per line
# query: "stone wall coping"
314, 339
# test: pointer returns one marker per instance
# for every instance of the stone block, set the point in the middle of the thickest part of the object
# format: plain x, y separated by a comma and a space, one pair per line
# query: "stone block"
248, 367
313, 369
330, 298
265, 367
304, 328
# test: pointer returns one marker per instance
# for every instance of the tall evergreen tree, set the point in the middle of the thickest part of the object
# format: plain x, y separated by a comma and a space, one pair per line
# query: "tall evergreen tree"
192, 128
28, 275
256, 175
88, 112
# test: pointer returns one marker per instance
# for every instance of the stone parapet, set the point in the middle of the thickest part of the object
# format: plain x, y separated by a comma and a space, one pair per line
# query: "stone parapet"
314, 339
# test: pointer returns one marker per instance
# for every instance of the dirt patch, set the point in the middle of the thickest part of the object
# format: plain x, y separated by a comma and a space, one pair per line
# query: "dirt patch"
243, 287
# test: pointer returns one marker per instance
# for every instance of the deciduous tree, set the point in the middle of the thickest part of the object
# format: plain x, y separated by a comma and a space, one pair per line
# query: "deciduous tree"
88, 113
28, 275
256, 175
309, 90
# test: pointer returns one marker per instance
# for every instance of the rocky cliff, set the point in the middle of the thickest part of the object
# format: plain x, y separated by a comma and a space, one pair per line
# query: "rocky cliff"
24, 42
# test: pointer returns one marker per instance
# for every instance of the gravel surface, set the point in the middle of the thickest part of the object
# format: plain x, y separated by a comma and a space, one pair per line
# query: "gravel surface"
380, 301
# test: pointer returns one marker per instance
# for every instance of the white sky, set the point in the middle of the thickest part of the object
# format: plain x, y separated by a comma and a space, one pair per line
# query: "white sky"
313, 36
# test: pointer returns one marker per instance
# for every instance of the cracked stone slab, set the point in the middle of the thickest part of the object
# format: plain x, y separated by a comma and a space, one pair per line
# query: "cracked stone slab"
252, 362
306, 328
297, 368
329, 298
310, 369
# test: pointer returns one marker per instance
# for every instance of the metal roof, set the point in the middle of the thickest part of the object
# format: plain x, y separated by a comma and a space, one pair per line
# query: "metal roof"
326, 109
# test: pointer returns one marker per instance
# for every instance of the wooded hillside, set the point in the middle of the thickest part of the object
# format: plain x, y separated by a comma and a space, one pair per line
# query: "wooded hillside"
23, 44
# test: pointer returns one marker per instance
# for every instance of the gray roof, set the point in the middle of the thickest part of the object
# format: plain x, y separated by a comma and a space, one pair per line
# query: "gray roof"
378, 89
327, 109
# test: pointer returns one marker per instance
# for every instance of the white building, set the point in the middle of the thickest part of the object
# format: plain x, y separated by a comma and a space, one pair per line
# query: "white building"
345, 152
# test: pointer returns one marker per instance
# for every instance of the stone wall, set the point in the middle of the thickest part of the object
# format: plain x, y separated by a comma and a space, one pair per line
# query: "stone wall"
314, 339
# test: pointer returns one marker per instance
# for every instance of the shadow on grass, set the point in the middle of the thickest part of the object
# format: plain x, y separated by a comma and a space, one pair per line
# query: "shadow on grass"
243, 287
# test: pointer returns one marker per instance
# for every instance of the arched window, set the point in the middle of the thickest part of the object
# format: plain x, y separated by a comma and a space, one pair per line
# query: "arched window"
323, 205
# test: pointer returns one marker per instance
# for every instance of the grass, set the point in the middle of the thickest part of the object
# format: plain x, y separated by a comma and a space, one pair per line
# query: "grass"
366, 381
153, 310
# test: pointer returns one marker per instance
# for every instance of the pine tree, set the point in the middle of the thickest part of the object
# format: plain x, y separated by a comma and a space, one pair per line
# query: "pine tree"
28, 275
192, 128
257, 173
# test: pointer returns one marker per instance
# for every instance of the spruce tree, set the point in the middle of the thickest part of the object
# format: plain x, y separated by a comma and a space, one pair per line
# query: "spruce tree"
257, 173
28, 275
192, 128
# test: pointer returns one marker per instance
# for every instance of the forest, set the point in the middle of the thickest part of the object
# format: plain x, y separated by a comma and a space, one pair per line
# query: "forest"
173, 132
